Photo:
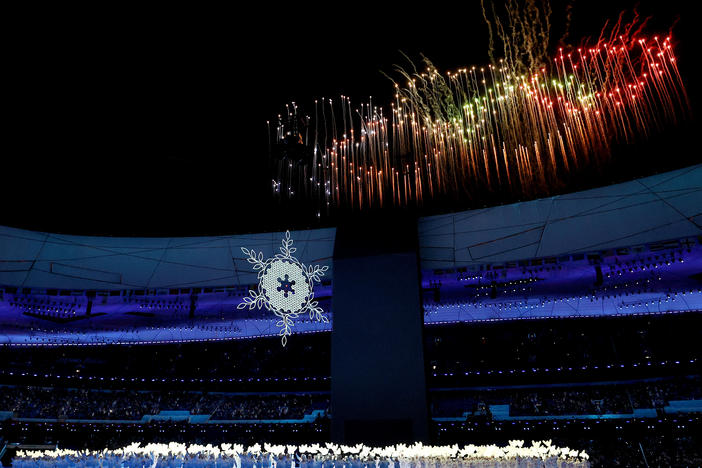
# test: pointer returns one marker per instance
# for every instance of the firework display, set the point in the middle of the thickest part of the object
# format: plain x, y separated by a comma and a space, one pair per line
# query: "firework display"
478, 130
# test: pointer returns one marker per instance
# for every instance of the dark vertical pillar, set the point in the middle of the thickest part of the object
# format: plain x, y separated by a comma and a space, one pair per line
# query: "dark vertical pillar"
378, 373
599, 279
193, 305
89, 306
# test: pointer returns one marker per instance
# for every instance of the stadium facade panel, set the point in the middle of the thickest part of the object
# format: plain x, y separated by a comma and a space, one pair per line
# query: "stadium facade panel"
658, 208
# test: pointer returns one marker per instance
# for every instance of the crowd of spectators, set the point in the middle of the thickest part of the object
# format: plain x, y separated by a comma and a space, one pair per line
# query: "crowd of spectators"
660, 450
95, 404
90, 404
84, 435
307, 355
453, 349
578, 401
665, 441
572, 400
270, 407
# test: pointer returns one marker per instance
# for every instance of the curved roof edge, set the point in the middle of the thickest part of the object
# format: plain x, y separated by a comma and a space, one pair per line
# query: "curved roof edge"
30, 259
652, 209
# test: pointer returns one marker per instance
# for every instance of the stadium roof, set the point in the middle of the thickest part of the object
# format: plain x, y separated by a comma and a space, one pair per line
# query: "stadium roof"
658, 208
41, 260
662, 207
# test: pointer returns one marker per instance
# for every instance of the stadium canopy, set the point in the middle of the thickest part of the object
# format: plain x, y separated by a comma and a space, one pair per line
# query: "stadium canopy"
663, 207
31, 259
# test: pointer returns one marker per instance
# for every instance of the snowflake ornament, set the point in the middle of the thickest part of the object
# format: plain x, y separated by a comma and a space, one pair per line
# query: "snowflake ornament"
285, 287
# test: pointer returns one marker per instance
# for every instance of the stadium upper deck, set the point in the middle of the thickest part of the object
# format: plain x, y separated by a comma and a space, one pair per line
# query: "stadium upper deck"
626, 248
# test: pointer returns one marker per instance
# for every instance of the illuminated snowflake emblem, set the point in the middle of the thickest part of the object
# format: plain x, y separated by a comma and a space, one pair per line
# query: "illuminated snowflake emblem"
285, 287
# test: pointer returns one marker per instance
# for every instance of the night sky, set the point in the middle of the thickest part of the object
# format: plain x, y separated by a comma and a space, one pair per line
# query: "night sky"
136, 122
